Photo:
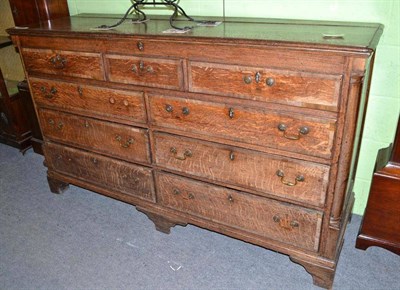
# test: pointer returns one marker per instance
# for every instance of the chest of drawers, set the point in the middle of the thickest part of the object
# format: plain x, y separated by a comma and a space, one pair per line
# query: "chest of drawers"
250, 128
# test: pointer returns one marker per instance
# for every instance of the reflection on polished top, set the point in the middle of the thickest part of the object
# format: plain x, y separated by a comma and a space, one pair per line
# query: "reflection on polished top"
316, 34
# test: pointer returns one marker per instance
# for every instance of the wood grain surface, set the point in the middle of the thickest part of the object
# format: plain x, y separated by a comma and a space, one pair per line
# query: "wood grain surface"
110, 173
83, 98
241, 210
356, 37
217, 51
201, 105
153, 72
249, 125
76, 64
245, 168
288, 87
126, 142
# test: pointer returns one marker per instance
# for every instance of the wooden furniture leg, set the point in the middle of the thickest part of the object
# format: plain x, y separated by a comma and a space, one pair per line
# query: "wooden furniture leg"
161, 223
57, 186
322, 275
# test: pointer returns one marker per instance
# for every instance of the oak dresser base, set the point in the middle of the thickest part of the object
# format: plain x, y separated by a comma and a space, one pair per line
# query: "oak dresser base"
250, 129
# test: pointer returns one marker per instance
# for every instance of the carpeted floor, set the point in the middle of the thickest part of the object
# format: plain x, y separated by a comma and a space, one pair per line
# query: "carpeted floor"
82, 240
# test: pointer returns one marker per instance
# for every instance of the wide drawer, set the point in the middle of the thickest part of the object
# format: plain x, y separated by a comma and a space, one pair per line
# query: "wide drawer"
106, 172
287, 131
271, 219
96, 100
279, 86
267, 174
117, 140
150, 72
63, 63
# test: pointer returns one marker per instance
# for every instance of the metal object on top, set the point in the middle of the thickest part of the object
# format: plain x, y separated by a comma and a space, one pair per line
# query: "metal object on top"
171, 3
137, 7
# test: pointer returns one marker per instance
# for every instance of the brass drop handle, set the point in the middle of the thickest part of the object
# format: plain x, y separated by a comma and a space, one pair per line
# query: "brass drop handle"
149, 69
142, 68
187, 153
281, 174
86, 124
95, 161
231, 113
60, 124
53, 91
303, 130
176, 191
58, 61
270, 82
112, 101
185, 111
285, 223
49, 95
168, 108
230, 198
231, 155
125, 144
247, 79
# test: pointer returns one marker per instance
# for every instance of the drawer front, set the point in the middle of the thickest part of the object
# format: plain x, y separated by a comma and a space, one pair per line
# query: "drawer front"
151, 72
106, 172
268, 85
97, 100
298, 133
289, 178
63, 63
279, 221
117, 140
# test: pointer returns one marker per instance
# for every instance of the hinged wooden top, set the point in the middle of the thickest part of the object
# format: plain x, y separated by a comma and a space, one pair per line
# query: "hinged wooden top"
342, 36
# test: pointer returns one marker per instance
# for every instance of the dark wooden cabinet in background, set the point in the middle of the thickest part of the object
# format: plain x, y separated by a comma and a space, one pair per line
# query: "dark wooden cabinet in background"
14, 125
18, 124
26, 12
381, 222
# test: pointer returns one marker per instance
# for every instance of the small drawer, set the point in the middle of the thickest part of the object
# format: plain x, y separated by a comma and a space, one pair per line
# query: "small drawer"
126, 142
97, 100
286, 131
63, 63
283, 222
268, 85
143, 71
105, 172
267, 174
